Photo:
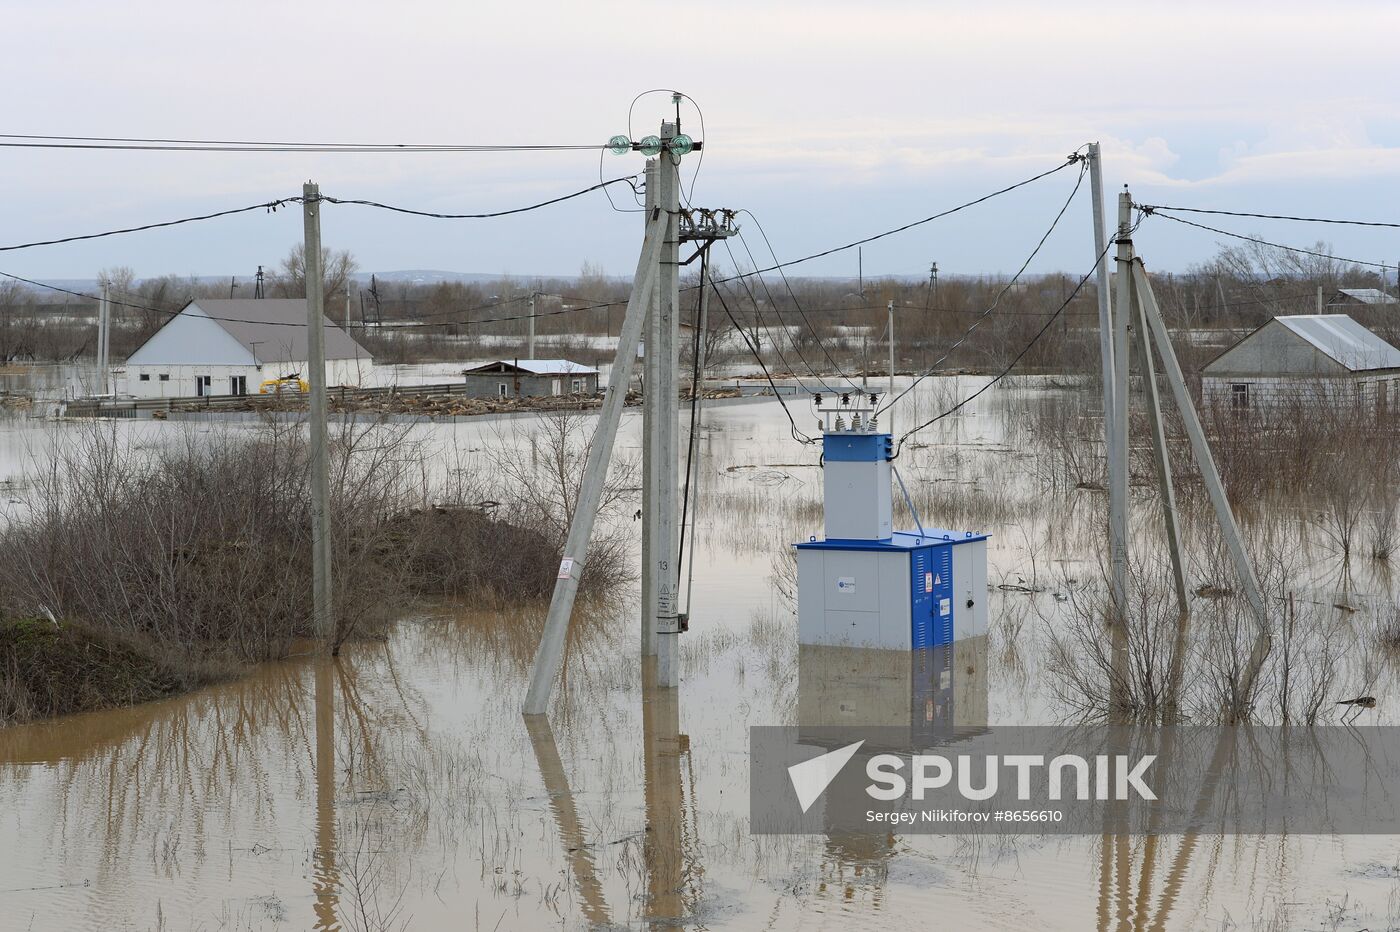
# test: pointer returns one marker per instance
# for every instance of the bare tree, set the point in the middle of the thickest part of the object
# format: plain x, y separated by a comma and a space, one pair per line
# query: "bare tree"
337, 271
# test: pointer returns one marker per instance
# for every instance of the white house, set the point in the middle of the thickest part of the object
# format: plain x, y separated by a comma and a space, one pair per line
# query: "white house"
230, 346
1307, 357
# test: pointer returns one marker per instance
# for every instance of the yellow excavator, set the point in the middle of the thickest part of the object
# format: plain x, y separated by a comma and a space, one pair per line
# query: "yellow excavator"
287, 383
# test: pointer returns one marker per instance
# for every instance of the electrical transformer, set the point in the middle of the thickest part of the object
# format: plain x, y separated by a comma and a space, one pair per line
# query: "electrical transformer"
866, 585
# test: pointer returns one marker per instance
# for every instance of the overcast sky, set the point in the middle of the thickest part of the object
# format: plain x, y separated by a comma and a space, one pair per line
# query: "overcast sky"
829, 120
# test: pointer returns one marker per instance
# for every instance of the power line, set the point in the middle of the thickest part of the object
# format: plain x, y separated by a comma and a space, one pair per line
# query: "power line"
30, 141
1152, 208
1073, 157
628, 179
272, 206
278, 323
743, 281
890, 402
786, 284
269, 206
797, 435
1264, 242
1025, 349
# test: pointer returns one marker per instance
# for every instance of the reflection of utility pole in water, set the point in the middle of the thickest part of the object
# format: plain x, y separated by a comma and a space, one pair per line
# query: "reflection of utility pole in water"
571, 836
326, 883
668, 858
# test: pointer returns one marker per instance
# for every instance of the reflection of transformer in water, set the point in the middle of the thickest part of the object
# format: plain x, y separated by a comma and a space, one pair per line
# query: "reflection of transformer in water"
867, 585
893, 700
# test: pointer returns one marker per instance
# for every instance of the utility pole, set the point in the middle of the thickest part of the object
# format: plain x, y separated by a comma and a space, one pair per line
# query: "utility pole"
889, 416
258, 283
651, 409
1118, 450
664, 545
1319, 299
530, 334
1108, 355
549, 658
104, 317
320, 470
347, 306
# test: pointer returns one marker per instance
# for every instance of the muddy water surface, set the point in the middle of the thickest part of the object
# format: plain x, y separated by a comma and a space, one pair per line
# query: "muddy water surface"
400, 786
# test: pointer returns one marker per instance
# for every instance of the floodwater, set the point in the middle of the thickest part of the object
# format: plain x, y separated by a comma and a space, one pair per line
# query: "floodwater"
400, 787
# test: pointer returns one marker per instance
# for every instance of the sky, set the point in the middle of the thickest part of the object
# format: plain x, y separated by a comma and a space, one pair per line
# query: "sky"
829, 121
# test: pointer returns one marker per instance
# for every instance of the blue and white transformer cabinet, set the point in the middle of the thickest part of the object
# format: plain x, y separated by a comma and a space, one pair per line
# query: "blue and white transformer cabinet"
866, 585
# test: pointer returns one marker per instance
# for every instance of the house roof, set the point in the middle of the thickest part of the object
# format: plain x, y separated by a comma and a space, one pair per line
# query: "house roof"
534, 367
274, 329
1343, 339
1368, 295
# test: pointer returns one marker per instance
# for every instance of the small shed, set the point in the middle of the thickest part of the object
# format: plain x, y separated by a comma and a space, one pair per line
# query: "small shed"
1356, 297
1305, 357
517, 378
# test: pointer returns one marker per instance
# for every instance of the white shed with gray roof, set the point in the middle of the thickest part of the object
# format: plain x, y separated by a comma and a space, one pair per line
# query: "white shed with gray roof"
230, 346
1306, 357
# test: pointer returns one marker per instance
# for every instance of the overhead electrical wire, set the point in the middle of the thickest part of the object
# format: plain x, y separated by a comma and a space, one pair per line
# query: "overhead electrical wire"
797, 434
269, 206
1153, 208
1017, 358
403, 325
358, 202
996, 302
782, 324
272, 206
786, 284
34, 141
1263, 242
1073, 158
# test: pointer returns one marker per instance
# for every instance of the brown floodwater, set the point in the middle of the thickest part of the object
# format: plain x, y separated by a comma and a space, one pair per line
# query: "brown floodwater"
399, 786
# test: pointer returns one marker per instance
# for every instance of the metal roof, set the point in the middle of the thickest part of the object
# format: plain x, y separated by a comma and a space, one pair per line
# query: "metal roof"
1344, 340
540, 366
274, 329
1368, 295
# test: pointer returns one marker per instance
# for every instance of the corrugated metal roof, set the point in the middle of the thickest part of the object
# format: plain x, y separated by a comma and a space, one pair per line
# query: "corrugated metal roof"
1344, 340
542, 366
1368, 295
274, 329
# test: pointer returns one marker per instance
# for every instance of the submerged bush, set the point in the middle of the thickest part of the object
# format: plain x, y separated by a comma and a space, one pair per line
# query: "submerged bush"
196, 554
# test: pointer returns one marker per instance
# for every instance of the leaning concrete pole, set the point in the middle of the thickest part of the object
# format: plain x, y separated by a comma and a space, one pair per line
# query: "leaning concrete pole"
665, 545
1118, 456
1200, 447
316, 376
549, 658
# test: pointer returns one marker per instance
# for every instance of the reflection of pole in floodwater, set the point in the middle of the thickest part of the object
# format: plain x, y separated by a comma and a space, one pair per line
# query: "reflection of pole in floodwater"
668, 857
561, 802
326, 883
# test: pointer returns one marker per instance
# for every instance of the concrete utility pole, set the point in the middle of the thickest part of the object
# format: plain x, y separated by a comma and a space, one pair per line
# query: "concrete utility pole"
104, 317
1118, 450
316, 376
667, 502
651, 408
889, 414
530, 333
549, 658
1215, 490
